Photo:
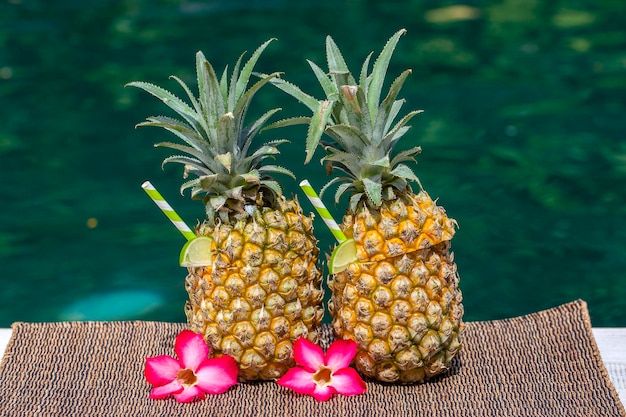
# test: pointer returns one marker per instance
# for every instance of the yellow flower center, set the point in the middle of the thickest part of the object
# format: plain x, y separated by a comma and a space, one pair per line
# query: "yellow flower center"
187, 378
323, 376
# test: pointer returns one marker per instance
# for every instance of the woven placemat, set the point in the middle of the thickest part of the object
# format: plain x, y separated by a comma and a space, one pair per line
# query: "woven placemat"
543, 364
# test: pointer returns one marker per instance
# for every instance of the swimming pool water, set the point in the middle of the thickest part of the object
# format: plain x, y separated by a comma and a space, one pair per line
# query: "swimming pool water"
523, 139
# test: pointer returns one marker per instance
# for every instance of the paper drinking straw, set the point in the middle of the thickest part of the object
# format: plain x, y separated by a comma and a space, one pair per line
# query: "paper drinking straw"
323, 211
168, 210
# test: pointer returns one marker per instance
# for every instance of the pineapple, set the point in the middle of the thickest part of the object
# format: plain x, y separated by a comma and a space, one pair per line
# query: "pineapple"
263, 289
400, 300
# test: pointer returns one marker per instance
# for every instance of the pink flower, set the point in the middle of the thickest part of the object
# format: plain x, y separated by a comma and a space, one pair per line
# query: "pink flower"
194, 374
322, 376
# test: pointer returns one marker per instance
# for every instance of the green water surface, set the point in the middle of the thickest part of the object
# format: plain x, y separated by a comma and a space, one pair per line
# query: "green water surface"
523, 139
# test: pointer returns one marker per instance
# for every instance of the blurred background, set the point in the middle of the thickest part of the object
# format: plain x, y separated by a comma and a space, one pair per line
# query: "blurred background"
523, 139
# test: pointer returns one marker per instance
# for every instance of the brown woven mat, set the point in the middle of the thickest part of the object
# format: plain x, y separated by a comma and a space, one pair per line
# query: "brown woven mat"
543, 364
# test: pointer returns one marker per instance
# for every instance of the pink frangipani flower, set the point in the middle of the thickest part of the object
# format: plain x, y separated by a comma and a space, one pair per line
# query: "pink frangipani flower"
193, 374
322, 376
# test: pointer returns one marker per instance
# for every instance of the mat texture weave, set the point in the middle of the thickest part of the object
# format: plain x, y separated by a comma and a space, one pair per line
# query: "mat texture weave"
542, 364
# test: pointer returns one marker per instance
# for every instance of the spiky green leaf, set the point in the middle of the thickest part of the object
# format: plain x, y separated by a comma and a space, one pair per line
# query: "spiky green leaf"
381, 162
391, 136
349, 162
353, 109
387, 106
224, 86
210, 95
180, 129
236, 192
190, 95
273, 185
252, 177
373, 189
327, 185
363, 78
378, 74
347, 183
318, 123
349, 93
248, 134
246, 71
406, 155
330, 89
355, 199
294, 91
393, 112
342, 189
171, 101
232, 88
244, 101
350, 137
190, 170
217, 181
186, 160
225, 160
403, 171
388, 193
292, 121
265, 151
336, 63
189, 184
390, 144
217, 202
201, 156
226, 133
276, 169
362, 119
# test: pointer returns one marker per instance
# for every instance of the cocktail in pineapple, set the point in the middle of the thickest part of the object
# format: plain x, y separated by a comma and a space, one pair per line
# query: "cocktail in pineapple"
262, 290
400, 299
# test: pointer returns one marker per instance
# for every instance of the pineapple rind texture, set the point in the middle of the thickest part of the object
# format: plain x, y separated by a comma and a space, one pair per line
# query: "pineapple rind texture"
403, 307
407, 223
262, 293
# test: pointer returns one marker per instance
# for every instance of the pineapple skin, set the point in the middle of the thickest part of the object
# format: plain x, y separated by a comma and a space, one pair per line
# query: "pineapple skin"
262, 293
400, 301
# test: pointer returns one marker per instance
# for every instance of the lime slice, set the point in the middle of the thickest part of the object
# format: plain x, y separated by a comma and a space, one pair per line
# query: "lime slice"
342, 256
197, 252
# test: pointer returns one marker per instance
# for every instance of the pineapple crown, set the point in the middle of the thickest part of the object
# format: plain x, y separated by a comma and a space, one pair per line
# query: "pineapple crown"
229, 178
361, 126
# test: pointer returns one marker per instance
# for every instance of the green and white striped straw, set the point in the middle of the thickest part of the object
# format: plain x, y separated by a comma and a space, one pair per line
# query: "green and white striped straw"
323, 211
168, 210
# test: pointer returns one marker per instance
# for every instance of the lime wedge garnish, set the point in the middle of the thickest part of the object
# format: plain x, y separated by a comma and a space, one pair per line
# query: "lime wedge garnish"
197, 252
342, 256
